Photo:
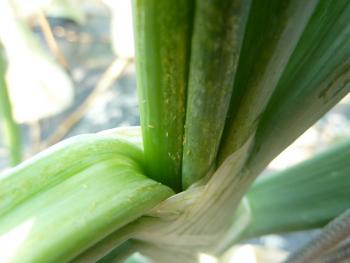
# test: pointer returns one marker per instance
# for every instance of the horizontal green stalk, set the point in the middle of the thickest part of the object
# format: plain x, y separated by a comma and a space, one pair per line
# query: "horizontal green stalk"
315, 79
273, 30
59, 223
58, 163
162, 43
302, 197
10, 129
216, 42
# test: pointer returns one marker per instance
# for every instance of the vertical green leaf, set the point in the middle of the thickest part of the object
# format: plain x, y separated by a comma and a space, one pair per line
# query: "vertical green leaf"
316, 78
9, 127
273, 31
216, 42
162, 40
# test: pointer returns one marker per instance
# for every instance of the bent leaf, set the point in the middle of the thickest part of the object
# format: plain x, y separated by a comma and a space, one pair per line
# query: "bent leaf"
58, 163
69, 197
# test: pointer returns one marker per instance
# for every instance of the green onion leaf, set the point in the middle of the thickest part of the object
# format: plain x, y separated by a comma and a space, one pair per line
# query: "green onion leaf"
305, 196
216, 43
162, 40
273, 31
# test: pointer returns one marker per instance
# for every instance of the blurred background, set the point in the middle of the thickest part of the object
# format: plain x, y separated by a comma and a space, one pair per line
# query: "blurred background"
68, 69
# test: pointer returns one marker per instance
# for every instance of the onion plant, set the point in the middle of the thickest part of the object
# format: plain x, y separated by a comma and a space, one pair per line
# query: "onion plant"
224, 87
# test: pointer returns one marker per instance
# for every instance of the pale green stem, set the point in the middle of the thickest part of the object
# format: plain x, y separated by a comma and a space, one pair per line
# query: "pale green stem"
10, 129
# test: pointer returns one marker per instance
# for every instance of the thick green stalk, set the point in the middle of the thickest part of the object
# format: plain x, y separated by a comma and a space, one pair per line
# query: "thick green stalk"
9, 126
273, 30
217, 36
302, 197
162, 41
58, 223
